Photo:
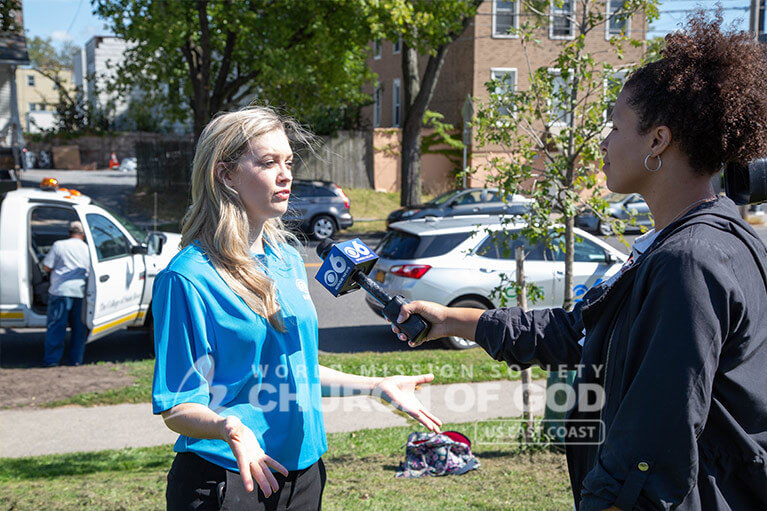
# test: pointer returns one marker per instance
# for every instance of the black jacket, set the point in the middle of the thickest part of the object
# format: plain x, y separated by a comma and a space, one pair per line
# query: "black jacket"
680, 343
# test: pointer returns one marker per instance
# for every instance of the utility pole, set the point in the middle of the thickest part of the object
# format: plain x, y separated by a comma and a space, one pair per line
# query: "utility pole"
756, 18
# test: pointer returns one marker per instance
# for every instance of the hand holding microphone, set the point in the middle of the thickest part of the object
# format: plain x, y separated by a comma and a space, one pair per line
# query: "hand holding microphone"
345, 268
445, 321
433, 313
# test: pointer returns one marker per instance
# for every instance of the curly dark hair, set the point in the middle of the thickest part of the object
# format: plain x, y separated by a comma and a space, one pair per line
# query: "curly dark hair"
710, 89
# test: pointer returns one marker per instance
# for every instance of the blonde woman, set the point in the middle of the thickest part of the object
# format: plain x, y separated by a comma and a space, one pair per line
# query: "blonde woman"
237, 373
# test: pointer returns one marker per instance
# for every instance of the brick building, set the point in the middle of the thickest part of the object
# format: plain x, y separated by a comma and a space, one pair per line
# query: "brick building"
485, 51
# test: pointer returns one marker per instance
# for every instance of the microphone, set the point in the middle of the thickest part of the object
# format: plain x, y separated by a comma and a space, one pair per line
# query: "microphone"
345, 268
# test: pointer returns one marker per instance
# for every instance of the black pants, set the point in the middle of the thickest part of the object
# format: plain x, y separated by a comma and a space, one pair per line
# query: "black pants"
195, 483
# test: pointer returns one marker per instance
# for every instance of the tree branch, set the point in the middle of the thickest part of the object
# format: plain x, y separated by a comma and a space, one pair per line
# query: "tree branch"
223, 71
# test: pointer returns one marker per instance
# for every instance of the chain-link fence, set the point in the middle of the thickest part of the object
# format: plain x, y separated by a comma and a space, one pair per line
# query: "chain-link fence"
163, 164
346, 159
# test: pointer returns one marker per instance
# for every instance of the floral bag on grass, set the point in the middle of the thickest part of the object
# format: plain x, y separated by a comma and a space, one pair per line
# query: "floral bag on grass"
437, 454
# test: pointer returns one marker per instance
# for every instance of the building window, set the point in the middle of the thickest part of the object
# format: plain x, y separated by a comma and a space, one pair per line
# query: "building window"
377, 49
377, 95
396, 109
32, 107
505, 17
617, 23
506, 79
30, 80
559, 105
397, 46
561, 24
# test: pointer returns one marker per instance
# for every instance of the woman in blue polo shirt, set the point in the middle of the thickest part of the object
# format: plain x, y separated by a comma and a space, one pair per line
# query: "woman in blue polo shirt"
237, 373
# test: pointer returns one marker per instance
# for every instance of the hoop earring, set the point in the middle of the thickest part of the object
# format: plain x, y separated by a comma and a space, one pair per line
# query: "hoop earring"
660, 163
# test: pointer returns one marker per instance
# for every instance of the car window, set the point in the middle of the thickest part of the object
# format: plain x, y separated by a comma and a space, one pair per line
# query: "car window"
636, 199
398, 245
109, 241
614, 197
321, 191
500, 245
48, 224
442, 199
137, 232
433, 246
492, 196
300, 190
585, 251
469, 198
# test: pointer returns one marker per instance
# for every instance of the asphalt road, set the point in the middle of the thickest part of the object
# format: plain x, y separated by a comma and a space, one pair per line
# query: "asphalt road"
346, 324
107, 187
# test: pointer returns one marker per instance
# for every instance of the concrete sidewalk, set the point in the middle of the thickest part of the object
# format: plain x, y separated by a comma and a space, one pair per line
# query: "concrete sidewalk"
78, 429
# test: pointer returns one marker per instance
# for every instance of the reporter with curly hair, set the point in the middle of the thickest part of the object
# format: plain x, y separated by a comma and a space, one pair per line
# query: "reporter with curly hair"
678, 338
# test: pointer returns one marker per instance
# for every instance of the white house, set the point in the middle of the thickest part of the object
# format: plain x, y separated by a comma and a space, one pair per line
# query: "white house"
13, 53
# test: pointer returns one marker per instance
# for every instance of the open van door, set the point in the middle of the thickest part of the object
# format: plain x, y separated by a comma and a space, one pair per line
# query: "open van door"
117, 274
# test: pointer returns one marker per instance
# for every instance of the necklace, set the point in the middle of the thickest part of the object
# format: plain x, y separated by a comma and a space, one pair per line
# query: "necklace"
688, 208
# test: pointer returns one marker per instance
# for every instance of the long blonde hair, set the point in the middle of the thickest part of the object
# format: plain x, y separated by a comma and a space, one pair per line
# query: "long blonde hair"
217, 219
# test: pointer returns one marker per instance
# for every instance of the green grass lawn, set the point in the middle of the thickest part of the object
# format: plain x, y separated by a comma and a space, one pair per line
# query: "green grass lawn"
369, 205
360, 468
448, 366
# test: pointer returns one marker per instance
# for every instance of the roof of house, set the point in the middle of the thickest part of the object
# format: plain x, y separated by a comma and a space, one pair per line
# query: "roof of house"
13, 49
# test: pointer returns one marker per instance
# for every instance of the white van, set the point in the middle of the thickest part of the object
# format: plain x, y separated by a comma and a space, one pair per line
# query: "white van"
124, 259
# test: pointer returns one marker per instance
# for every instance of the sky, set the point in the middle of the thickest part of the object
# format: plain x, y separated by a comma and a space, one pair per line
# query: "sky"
72, 19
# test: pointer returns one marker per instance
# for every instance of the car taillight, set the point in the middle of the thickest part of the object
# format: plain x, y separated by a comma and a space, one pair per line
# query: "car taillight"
340, 193
413, 271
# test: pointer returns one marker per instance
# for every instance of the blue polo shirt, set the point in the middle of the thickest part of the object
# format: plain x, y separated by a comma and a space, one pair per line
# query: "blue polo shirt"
212, 349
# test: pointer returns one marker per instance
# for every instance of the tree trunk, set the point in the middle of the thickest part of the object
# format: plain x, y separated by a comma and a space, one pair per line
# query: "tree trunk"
201, 117
410, 157
527, 414
569, 259
418, 93
411, 162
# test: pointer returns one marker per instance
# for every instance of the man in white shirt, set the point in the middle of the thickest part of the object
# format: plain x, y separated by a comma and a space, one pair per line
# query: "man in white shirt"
67, 262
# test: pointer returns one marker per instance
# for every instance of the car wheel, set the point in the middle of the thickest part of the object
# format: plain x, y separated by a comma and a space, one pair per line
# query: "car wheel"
322, 227
605, 228
459, 343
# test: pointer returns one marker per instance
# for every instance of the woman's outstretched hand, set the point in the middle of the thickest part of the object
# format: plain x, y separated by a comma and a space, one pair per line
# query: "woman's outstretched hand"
252, 461
400, 392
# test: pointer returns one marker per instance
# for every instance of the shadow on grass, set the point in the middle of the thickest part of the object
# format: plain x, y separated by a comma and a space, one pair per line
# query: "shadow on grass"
61, 465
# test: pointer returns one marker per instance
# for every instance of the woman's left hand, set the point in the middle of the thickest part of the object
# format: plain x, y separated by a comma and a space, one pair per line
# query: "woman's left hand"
400, 392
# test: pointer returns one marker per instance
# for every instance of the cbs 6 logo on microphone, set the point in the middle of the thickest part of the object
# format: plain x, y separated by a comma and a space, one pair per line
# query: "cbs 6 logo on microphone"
337, 267
357, 250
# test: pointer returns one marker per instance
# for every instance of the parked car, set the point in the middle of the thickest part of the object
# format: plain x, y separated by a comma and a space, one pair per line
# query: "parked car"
471, 201
459, 262
127, 164
319, 208
621, 207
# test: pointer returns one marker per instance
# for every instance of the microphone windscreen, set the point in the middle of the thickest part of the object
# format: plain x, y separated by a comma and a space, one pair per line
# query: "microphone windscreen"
323, 248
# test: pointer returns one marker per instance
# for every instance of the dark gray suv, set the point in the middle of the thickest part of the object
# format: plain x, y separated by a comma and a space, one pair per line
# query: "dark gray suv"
471, 201
319, 208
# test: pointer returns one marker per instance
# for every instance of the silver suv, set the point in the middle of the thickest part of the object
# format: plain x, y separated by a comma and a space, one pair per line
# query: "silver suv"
459, 262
